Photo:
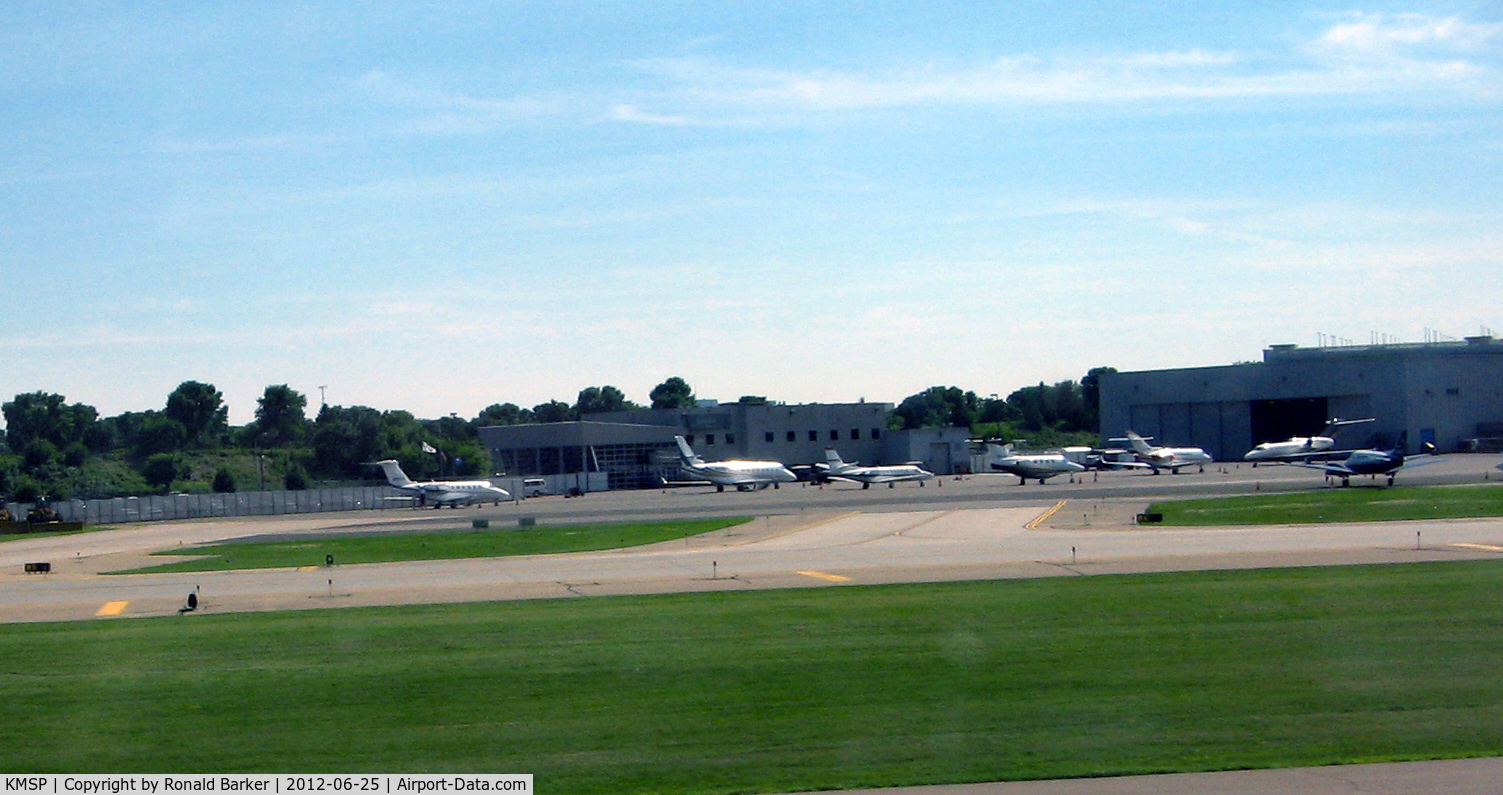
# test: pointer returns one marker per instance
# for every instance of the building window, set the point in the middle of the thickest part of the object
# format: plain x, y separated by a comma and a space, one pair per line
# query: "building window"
730, 438
689, 439
709, 440
792, 436
855, 434
834, 435
767, 437
876, 433
813, 436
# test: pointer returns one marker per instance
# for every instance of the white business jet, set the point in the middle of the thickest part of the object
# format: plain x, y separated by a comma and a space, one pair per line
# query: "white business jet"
442, 492
835, 467
1155, 458
1300, 448
744, 475
1030, 465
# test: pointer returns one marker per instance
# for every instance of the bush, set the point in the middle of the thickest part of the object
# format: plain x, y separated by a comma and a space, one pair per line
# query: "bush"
224, 482
161, 469
296, 479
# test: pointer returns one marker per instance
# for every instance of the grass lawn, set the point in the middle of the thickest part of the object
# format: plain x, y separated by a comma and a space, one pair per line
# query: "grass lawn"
767, 691
388, 547
1338, 505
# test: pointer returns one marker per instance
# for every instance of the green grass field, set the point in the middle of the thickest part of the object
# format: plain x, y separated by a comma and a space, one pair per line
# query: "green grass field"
388, 547
768, 691
1337, 505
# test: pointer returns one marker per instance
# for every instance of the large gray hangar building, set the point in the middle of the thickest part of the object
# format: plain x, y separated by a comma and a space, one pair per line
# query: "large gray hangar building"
634, 449
1446, 393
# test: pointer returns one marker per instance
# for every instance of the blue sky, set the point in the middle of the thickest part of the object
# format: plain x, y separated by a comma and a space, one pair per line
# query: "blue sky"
437, 210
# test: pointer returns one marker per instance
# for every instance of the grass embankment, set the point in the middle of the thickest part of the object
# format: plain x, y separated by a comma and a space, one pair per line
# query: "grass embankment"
1337, 505
770, 691
389, 547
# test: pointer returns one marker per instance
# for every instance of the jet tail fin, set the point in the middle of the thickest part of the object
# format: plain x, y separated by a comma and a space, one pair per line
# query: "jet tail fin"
686, 453
833, 460
394, 474
1138, 444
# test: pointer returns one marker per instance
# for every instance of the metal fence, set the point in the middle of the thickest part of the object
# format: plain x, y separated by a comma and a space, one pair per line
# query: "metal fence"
198, 506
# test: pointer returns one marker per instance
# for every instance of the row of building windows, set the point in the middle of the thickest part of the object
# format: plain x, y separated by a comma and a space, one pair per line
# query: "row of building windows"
770, 437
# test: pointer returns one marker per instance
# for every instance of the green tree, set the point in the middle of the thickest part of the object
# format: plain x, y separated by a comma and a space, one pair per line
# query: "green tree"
295, 478
1090, 390
344, 440
450, 427
201, 410
155, 434
596, 400
503, 414
39, 458
26, 489
37, 416
280, 421
161, 469
1060, 407
553, 411
674, 393
224, 482
936, 407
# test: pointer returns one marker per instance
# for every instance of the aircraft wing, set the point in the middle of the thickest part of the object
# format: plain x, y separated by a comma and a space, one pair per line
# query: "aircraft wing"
1127, 465
1312, 455
1340, 467
870, 478
664, 482
1333, 467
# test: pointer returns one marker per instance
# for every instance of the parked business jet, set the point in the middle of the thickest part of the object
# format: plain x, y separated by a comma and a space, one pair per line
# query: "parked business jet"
1041, 466
744, 475
1171, 458
1374, 462
1299, 447
442, 492
834, 467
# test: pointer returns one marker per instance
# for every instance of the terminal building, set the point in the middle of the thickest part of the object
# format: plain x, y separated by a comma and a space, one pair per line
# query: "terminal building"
635, 449
1449, 394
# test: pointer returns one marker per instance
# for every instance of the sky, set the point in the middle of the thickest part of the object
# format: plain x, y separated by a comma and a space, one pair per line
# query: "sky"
440, 207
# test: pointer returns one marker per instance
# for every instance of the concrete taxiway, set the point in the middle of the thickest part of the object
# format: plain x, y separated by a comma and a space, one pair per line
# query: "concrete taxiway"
802, 536
972, 528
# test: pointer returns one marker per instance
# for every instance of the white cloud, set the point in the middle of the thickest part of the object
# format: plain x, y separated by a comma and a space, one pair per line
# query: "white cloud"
443, 111
1367, 54
1388, 33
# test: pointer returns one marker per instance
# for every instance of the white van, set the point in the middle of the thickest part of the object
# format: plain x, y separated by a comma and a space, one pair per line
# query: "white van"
534, 487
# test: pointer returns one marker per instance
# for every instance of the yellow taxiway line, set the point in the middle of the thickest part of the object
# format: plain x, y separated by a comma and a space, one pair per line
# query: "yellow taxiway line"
112, 609
1487, 547
798, 529
1043, 517
819, 575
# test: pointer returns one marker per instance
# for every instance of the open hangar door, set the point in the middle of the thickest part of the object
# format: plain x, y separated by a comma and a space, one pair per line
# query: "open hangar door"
1277, 420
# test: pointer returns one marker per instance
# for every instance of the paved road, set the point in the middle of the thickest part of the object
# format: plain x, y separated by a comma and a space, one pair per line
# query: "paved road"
1448, 777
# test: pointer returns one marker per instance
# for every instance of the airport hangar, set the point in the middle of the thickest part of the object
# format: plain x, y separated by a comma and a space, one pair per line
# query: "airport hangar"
1447, 393
635, 449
